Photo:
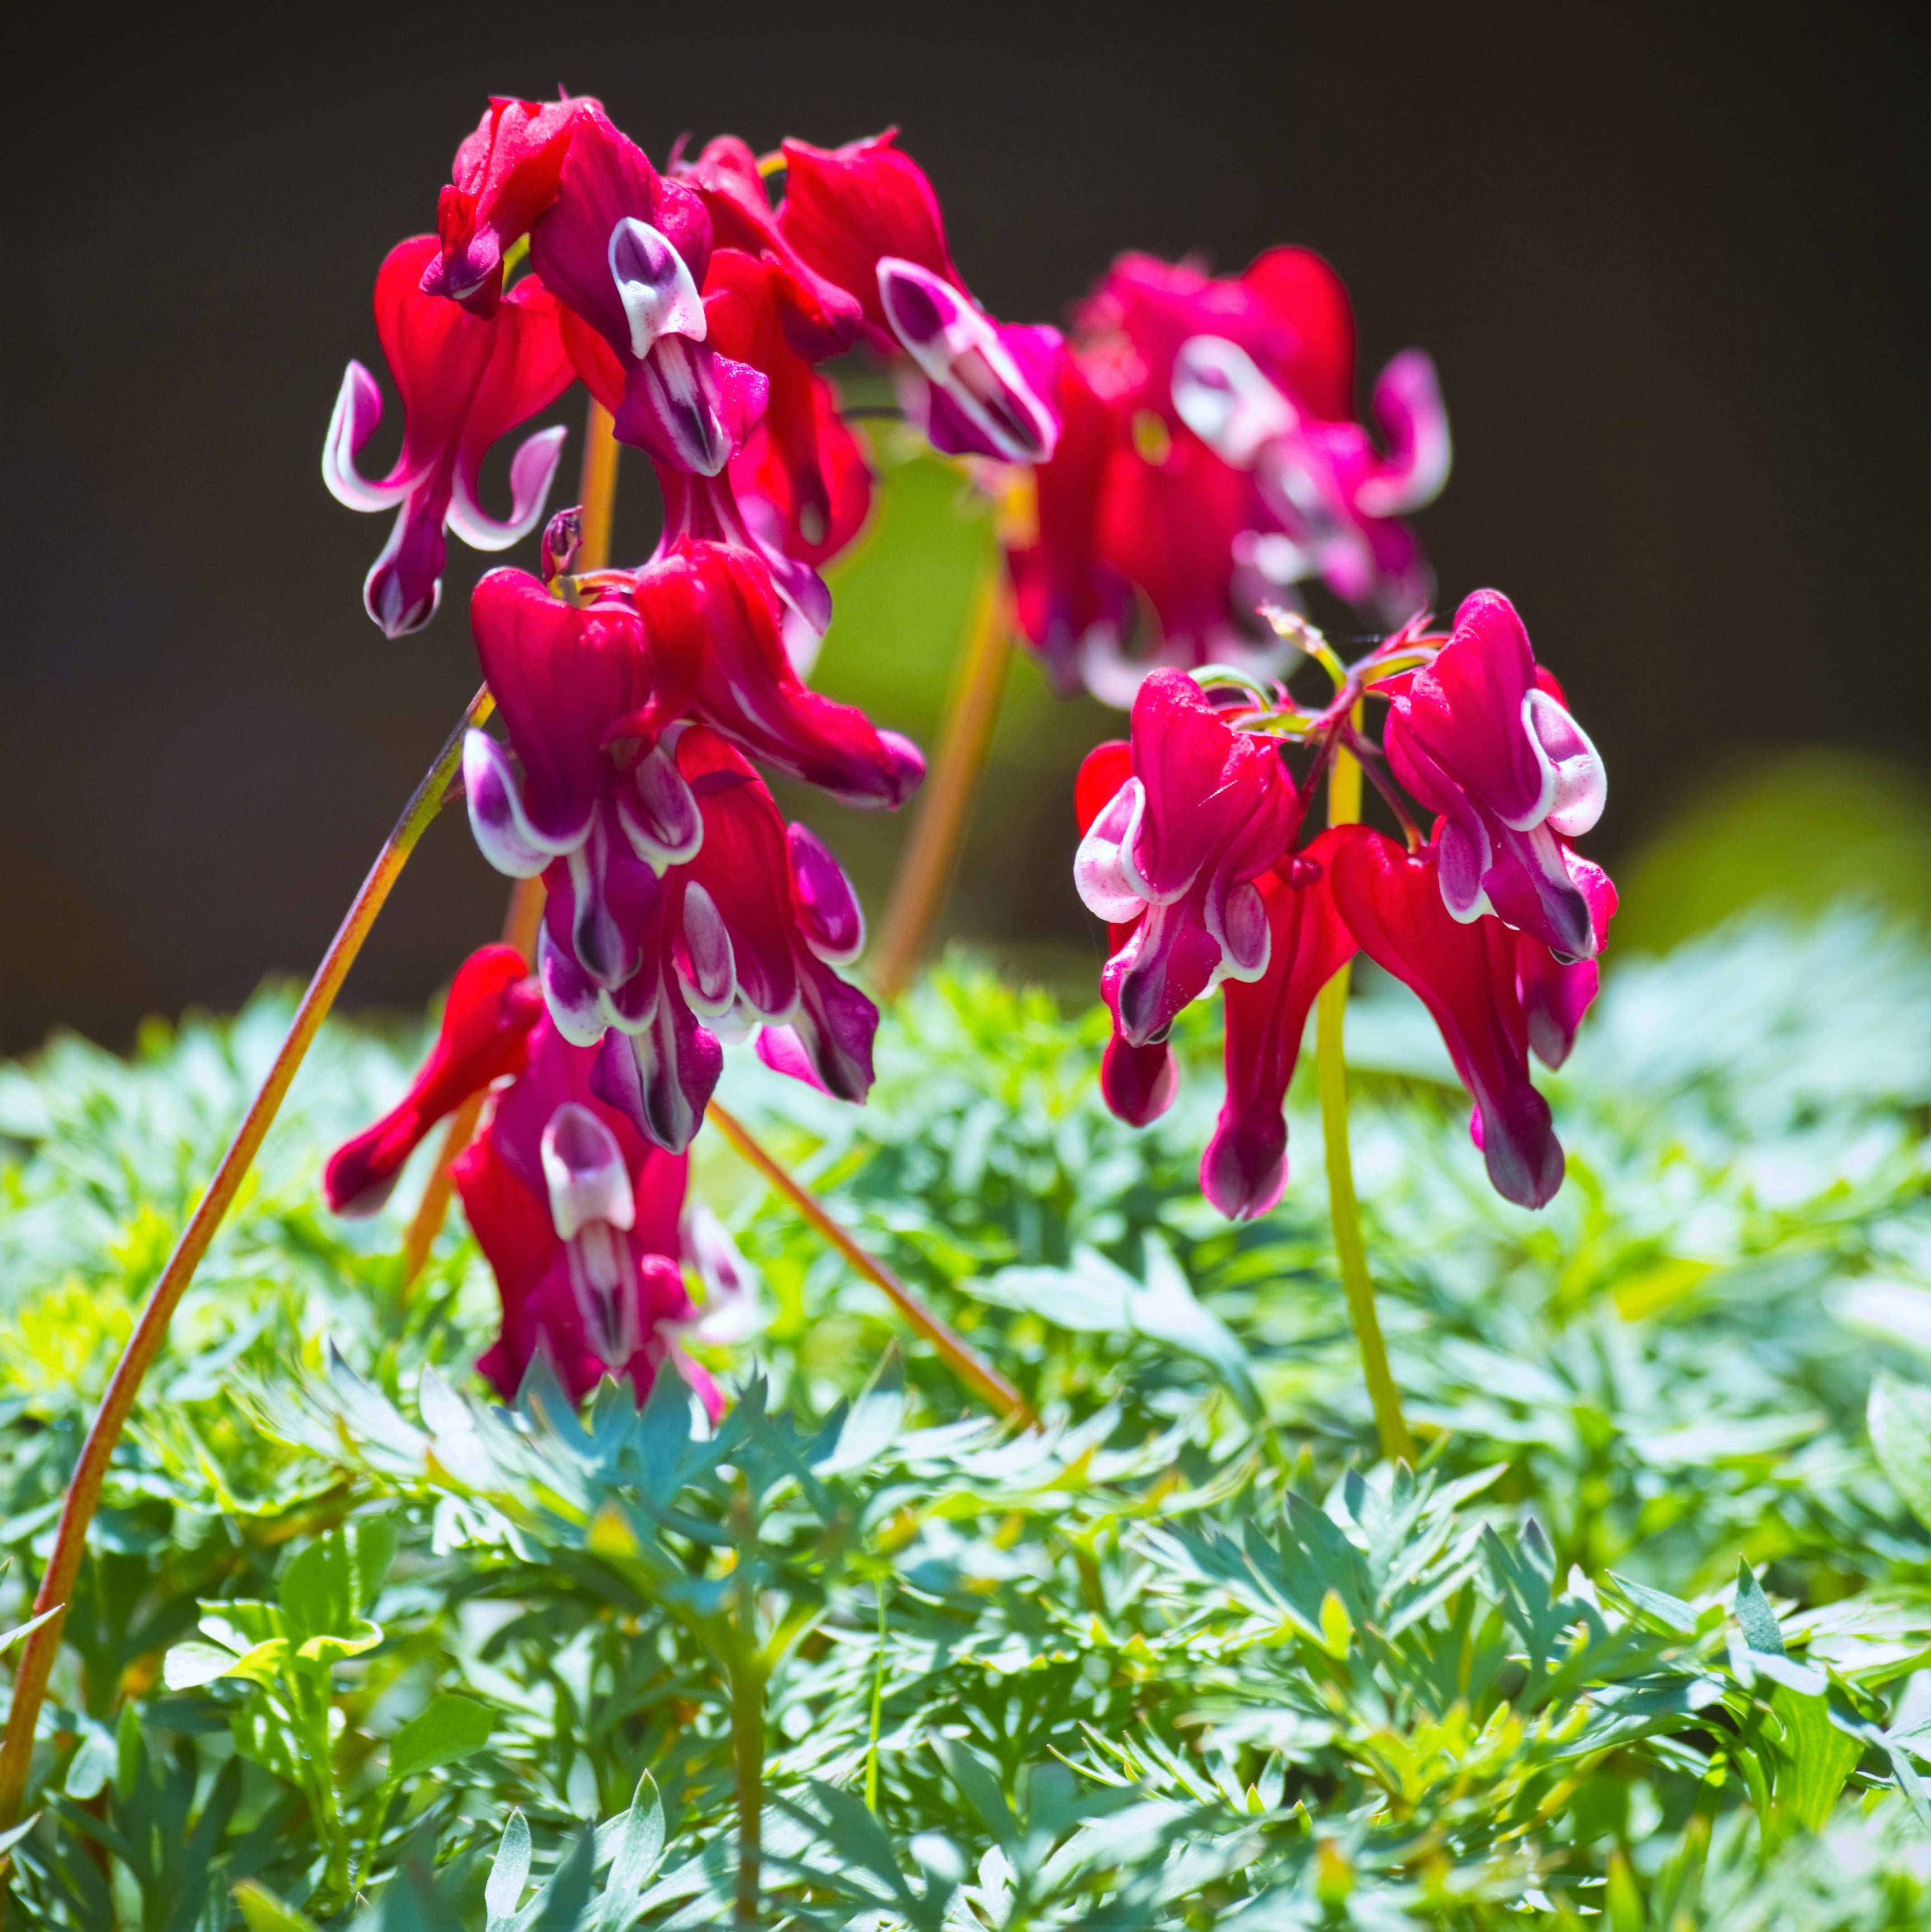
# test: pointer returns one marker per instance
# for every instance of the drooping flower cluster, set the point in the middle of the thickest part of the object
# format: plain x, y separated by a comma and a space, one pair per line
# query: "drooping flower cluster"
681, 911
1209, 461
584, 1223
1191, 853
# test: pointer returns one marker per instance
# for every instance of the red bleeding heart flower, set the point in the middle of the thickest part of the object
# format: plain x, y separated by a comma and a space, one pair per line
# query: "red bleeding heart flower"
820, 318
505, 177
677, 901
1469, 977
1482, 736
586, 1227
1175, 853
465, 382
626, 252
485, 1037
1245, 1167
1209, 462
865, 217
719, 599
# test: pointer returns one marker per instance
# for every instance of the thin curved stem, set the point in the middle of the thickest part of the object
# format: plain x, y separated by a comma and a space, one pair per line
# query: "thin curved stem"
1344, 808
83, 1494
945, 814
959, 1355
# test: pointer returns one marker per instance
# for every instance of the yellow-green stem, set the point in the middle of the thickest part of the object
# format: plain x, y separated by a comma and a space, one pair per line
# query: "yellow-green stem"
83, 1494
965, 1361
597, 492
877, 1711
944, 813
1344, 808
747, 1671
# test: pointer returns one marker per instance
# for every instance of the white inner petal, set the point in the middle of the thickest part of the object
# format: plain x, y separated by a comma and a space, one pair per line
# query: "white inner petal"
584, 1168
654, 285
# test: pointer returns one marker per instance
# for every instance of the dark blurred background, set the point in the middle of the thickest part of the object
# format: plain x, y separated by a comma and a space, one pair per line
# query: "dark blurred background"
1671, 265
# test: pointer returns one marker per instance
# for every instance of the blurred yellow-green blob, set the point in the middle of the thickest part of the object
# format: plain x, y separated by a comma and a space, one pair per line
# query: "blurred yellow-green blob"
1799, 829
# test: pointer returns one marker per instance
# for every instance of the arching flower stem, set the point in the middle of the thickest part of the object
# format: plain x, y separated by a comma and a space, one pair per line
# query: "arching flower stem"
83, 1493
1344, 808
597, 490
959, 1356
945, 814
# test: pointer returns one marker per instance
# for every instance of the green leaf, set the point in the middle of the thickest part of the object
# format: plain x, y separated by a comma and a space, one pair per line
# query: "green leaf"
448, 1728
1755, 1616
1656, 1606
558, 1906
13, 1636
875, 1419
263, 1911
1900, 1420
189, 1665
352, 1640
14, 1834
509, 1872
1814, 1756
637, 1848
327, 1590
92, 1764
1166, 1310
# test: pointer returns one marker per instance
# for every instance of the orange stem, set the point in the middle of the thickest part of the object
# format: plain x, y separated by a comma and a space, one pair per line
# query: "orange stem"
597, 487
945, 814
960, 1356
83, 1494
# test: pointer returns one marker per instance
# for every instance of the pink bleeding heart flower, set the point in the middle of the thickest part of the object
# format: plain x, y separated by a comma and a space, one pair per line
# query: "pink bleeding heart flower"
1555, 994
820, 319
465, 382
802, 458
1467, 976
505, 177
752, 926
484, 1037
1175, 853
1482, 736
626, 252
586, 1227
984, 388
845, 209
1245, 1167
800, 490
598, 807
719, 599
1174, 522
865, 218
1138, 1083
1332, 498
1069, 600
1261, 368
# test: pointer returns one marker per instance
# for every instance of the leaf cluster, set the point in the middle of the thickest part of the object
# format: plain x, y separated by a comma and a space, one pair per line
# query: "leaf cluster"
1645, 1635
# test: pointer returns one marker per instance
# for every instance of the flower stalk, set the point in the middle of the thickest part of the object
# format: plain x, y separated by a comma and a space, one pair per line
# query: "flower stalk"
83, 1494
748, 1670
932, 853
959, 1356
1344, 808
